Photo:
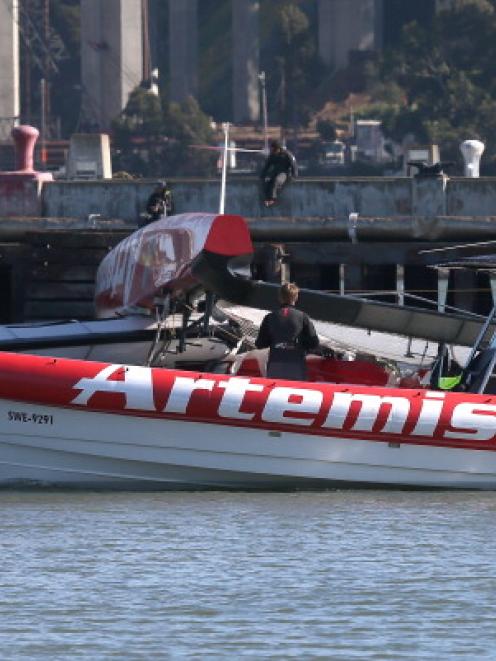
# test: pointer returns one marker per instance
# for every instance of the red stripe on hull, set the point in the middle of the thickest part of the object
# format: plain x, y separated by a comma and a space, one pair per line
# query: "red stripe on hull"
452, 420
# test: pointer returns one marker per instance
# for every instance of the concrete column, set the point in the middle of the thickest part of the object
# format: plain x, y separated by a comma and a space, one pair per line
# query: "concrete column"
111, 58
443, 276
274, 264
245, 40
345, 26
464, 284
9, 66
183, 49
351, 279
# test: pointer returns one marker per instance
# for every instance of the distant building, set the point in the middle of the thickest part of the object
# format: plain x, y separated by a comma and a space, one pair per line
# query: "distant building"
369, 140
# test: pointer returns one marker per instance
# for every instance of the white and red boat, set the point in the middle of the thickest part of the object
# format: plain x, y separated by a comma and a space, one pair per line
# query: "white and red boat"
220, 423
87, 424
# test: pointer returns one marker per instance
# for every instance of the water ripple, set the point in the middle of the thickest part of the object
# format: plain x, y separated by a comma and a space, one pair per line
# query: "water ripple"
332, 575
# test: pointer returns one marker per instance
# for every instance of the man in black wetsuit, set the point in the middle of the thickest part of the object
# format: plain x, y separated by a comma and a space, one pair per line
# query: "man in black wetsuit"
160, 202
289, 334
279, 167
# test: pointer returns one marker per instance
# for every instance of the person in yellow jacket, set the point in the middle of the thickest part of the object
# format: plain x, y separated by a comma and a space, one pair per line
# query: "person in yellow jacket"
446, 372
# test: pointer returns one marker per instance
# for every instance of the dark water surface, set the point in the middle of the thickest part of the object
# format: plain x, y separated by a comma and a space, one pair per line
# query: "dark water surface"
330, 575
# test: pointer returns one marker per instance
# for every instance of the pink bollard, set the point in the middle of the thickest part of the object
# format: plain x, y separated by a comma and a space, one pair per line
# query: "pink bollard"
20, 190
25, 138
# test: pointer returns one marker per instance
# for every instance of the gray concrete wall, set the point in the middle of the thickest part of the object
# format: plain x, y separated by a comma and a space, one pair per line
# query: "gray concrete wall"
471, 197
9, 64
318, 198
304, 198
20, 197
112, 199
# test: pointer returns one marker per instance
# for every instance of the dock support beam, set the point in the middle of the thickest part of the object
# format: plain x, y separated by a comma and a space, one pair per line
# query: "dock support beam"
442, 288
275, 266
400, 284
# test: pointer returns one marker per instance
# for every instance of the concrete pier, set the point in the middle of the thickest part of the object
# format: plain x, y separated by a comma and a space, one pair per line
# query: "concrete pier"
420, 206
245, 38
345, 26
48, 263
20, 189
183, 49
111, 58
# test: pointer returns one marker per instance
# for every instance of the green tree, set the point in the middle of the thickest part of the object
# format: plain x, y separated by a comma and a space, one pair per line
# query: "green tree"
441, 81
156, 138
188, 128
297, 67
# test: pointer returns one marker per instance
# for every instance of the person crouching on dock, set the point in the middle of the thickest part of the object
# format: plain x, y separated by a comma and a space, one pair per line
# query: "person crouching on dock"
289, 334
279, 168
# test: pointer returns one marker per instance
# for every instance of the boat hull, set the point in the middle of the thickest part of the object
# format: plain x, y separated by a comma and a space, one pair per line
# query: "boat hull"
86, 449
88, 424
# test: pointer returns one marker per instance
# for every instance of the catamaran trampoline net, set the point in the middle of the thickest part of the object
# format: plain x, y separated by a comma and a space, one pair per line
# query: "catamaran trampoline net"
347, 340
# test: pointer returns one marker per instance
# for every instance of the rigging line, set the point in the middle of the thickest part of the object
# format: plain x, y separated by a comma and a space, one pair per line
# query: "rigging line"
461, 245
222, 204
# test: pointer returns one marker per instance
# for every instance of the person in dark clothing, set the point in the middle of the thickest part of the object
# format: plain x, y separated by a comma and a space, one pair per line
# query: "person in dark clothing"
289, 334
279, 168
160, 202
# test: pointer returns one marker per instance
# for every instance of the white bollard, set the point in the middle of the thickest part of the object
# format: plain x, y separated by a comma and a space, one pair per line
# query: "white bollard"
472, 152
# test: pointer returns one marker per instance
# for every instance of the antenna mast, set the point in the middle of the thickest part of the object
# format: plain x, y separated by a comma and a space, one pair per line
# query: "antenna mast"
222, 205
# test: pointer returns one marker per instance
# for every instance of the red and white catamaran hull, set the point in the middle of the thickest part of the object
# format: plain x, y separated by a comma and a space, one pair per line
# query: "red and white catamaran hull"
81, 423
166, 256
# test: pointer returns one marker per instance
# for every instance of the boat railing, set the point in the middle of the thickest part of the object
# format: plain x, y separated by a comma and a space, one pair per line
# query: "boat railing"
416, 299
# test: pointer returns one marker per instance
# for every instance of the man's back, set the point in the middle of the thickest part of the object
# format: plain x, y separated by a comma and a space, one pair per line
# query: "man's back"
280, 161
288, 333
287, 326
